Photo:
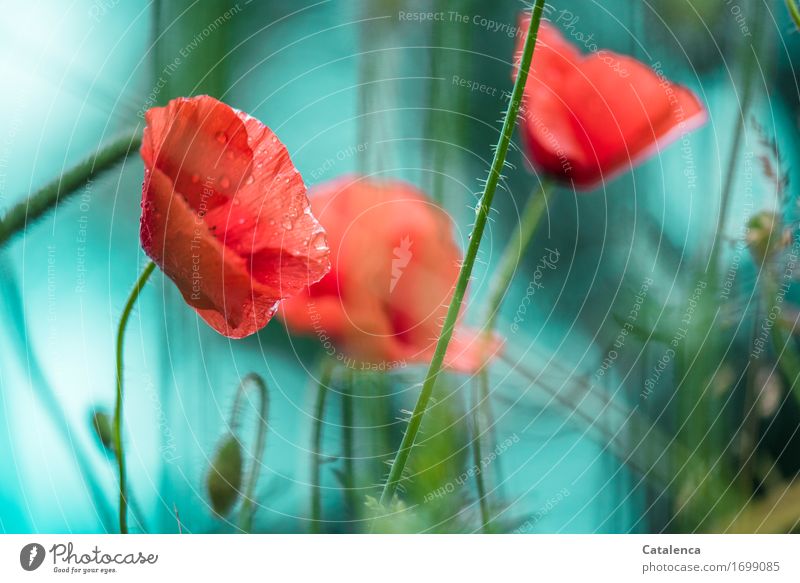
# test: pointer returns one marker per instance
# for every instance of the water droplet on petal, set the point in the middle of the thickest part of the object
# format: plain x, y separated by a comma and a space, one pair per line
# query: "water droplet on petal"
318, 242
249, 180
225, 182
221, 137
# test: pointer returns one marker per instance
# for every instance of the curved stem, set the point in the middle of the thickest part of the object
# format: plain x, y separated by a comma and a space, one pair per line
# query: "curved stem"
123, 323
47, 197
326, 371
482, 215
252, 380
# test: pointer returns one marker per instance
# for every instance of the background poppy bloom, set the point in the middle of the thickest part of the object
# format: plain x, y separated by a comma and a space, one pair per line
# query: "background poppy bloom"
395, 264
225, 214
587, 118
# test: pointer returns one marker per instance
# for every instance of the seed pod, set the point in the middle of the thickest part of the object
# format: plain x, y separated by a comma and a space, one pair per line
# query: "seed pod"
225, 476
103, 429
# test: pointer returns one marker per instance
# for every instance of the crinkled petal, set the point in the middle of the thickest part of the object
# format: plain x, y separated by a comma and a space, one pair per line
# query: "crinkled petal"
212, 279
218, 189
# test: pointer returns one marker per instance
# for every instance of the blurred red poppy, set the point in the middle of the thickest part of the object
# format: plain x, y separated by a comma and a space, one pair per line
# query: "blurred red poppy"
225, 214
395, 265
587, 118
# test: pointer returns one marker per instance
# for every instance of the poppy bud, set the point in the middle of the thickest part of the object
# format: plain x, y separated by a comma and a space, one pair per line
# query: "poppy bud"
225, 477
103, 429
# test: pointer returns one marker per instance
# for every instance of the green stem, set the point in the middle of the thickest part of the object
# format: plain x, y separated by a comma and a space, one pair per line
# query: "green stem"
347, 443
488, 414
123, 323
247, 511
482, 215
477, 457
750, 67
794, 12
782, 343
326, 372
529, 221
48, 196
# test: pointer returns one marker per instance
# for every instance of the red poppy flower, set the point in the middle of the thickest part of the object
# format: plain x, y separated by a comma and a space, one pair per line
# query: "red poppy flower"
225, 214
587, 118
395, 265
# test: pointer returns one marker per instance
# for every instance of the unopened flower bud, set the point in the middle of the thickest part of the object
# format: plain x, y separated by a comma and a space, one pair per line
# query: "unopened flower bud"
225, 476
103, 429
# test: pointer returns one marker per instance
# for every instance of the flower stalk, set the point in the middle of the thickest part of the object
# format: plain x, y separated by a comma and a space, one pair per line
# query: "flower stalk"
509, 261
47, 197
120, 452
482, 215
316, 444
253, 380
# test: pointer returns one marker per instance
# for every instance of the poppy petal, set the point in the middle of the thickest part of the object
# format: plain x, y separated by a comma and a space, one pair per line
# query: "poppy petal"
218, 188
587, 118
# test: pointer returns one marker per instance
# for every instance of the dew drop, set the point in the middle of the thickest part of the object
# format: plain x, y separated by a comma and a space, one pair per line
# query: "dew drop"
318, 242
249, 180
221, 137
224, 182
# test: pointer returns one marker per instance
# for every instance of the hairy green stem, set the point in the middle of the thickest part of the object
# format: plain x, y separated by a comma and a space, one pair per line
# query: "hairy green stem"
326, 372
123, 323
247, 511
482, 215
47, 197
